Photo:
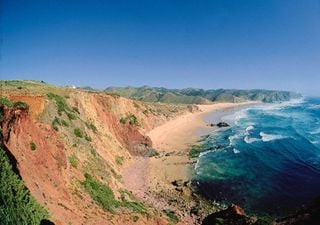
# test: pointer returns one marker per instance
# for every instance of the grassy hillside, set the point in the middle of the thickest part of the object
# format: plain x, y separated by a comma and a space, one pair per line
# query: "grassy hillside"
70, 146
199, 96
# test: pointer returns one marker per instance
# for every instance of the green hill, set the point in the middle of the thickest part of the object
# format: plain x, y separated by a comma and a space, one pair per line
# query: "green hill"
200, 96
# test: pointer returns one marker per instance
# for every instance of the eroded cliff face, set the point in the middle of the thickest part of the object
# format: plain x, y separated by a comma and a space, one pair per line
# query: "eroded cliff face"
52, 158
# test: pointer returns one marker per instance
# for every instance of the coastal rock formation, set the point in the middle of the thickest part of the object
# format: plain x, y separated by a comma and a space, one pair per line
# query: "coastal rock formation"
222, 124
193, 108
233, 215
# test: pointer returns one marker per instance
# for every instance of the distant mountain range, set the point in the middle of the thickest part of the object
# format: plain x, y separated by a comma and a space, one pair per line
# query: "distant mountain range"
200, 96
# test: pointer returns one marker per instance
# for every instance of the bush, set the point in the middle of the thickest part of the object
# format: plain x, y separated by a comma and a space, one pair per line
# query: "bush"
73, 161
119, 160
92, 127
76, 109
137, 207
17, 206
62, 106
78, 133
171, 215
64, 123
55, 123
71, 116
20, 105
135, 218
123, 120
33, 146
131, 118
88, 138
6, 102
100, 193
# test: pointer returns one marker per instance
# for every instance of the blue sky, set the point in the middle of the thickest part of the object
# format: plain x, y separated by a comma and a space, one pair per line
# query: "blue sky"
272, 44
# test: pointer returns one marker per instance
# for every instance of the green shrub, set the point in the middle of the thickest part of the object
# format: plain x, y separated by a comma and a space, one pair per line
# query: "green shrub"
131, 118
62, 106
171, 215
20, 105
134, 206
135, 218
76, 109
119, 160
78, 133
55, 123
73, 161
137, 207
100, 193
33, 146
92, 127
123, 120
64, 123
88, 138
60, 102
71, 116
17, 206
6, 102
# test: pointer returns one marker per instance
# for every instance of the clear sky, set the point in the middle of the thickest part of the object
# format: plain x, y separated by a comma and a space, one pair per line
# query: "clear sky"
272, 44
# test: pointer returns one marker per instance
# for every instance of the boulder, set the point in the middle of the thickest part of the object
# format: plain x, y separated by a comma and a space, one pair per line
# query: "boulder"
233, 215
222, 124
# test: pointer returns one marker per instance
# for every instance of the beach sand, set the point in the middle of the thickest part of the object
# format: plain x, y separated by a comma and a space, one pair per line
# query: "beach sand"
173, 141
146, 176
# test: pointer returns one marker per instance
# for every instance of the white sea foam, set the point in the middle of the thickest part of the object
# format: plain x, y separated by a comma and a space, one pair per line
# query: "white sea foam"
316, 131
233, 138
270, 137
236, 151
248, 129
314, 106
235, 117
281, 105
249, 140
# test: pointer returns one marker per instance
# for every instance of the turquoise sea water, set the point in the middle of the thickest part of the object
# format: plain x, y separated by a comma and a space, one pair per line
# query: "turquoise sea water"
268, 161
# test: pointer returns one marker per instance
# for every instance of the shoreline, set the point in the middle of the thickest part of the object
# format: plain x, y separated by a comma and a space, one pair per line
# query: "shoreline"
174, 139
151, 179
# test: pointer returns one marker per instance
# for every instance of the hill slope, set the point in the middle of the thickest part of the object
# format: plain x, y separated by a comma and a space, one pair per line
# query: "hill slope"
199, 96
70, 145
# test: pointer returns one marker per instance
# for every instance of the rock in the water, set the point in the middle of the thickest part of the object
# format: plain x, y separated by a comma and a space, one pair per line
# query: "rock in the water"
222, 124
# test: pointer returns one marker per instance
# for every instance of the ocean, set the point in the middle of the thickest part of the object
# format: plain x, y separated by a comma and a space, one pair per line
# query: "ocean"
267, 161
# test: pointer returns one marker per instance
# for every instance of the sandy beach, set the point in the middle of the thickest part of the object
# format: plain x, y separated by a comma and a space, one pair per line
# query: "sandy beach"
172, 140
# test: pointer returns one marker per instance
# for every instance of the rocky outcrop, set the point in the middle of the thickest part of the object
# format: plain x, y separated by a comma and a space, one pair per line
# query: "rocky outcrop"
233, 215
222, 124
193, 108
